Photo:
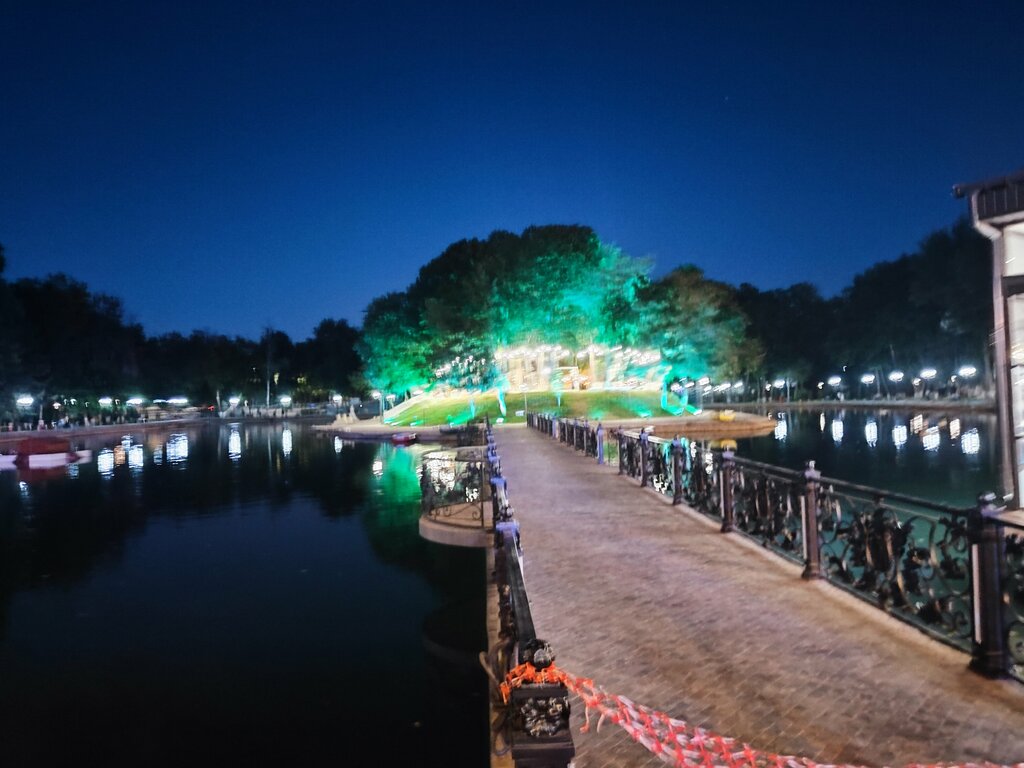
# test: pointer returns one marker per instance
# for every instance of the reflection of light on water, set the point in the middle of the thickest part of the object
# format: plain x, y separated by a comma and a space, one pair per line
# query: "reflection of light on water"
970, 442
837, 430
821, 421
931, 439
337, 444
871, 433
234, 445
378, 467
23, 488
105, 462
72, 470
158, 455
781, 429
286, 442
136, 458
917, 424
899, 435
954, 429
119, 455
177, 449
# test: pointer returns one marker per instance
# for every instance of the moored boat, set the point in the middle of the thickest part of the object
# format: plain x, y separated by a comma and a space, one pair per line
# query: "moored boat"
404, 438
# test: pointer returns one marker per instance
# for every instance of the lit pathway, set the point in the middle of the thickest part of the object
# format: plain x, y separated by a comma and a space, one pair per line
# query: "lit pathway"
653, 603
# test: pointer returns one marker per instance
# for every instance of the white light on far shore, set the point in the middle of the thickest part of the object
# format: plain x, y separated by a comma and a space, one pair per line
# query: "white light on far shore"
25, 401
834, 381
105, 401
896, 377
967, 371
285, 400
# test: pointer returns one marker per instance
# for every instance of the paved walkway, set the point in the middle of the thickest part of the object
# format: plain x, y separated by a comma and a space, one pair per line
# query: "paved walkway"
653, 603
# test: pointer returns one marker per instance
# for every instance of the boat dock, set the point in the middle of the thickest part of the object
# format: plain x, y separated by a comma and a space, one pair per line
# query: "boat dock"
652, 602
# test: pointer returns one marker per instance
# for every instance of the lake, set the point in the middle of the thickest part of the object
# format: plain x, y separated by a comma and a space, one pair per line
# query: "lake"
239, 593
949, 456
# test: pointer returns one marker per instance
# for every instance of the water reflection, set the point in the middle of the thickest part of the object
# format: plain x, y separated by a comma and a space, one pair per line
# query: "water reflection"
235, 444
871, 433
139, 574
781, 427
944, 456
286, 441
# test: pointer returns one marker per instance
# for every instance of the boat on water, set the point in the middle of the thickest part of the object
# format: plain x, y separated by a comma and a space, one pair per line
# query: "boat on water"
404, 438
43, 452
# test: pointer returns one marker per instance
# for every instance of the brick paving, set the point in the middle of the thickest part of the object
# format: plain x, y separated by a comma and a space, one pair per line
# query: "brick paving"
653, 603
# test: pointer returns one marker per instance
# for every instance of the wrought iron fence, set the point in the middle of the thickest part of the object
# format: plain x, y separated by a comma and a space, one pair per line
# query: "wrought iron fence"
957, 574
455, 484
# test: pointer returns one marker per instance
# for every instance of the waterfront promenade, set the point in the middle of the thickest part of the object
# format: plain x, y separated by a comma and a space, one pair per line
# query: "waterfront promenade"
653, 603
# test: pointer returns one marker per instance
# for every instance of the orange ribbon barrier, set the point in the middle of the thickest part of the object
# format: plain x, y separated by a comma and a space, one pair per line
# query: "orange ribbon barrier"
674, 741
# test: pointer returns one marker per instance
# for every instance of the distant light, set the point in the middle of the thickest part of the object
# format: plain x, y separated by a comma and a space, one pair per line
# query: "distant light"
376, 394
967, 371
105, 401
928, 373
779, 383
867, 378
25, 400
899, 436
834, 381
136, 401
821, 385
178, 400
56, 406
336, 399
285, 400
738, 385
233, 401
704, 380
896, 377
917, 382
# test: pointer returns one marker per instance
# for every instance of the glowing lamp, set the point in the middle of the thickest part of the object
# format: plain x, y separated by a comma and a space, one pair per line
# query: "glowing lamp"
967, 371
867, 378
105, 402
834, 381
135, 401
25, 400
285, 400
779, 383
928, 373
233, 401
896, 377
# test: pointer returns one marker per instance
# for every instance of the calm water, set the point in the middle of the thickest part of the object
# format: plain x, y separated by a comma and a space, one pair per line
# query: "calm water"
949, 457
240, 594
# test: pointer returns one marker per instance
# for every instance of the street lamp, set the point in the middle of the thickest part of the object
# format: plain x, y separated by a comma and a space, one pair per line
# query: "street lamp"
380, 403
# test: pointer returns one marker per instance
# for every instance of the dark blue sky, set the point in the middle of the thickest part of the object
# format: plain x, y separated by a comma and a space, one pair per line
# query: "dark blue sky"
233, 166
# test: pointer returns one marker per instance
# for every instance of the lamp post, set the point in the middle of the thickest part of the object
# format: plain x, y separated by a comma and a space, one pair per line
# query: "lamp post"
380, 402
927, 375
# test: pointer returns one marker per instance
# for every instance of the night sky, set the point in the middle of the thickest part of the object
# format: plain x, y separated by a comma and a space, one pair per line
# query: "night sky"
230, 167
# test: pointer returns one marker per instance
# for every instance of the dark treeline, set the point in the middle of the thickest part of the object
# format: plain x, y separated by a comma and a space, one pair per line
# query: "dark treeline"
60, 342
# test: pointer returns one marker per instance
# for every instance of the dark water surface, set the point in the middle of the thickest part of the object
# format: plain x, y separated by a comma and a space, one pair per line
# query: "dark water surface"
948, 456
240, 595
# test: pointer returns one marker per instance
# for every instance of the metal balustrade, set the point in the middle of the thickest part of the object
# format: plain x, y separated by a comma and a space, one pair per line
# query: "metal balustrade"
954, 573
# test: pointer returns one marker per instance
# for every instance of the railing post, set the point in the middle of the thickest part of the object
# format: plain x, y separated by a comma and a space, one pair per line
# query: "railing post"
812, 553
643, 458
497, 513
728, 468
989, 655
622, 452
599, 436
677, 470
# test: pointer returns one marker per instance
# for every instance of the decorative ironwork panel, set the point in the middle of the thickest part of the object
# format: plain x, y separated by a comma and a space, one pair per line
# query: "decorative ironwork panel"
768, 507
912, 562
1013, 600
702, 480
661, 474
629, 460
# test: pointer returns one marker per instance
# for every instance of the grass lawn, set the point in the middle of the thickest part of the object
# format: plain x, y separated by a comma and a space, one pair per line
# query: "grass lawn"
597, 404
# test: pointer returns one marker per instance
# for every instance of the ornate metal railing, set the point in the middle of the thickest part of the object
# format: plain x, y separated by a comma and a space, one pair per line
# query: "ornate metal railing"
908, 556
957, 574
1013, 595
455, 484
533, 724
